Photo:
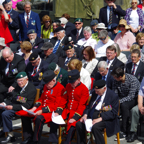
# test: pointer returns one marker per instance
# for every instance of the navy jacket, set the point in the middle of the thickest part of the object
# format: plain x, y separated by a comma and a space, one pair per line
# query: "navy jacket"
69, 27
51, 58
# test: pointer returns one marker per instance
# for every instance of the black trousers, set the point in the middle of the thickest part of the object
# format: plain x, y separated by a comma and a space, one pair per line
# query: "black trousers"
125, 111
27, 128
96, 131
3, 91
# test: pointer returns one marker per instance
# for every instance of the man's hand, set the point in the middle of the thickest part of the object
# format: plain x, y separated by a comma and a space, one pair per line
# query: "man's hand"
9, 107
10, 20
72, 120
113, 5
142, 110
96, 120
33, 109
56, 114
38, 113
10, 89
83, 118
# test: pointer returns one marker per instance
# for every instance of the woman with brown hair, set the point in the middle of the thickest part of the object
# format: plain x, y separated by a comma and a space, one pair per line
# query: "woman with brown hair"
89, 61
46, 28
26, 48
140, 39
84, 74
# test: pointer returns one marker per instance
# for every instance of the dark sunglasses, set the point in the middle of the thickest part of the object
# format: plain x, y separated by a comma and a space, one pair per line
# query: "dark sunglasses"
102, 38
47, 21
109, 0
77, 23
134, 2
121, 26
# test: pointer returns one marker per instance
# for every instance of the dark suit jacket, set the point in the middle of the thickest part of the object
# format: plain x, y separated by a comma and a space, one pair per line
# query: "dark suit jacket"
17, 63
115, 63
69, 27
110, 117
37, 45
14, 25
34, 23
35, 79
109, 79
29, 93
74, 33
51, 58
139, 72
117, 13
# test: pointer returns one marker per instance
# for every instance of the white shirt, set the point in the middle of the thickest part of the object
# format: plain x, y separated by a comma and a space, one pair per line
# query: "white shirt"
89, 42
110, 62
23, 88
58, 41
101, 48
79, 30
7, 68
134, 19
135, 67
25, 16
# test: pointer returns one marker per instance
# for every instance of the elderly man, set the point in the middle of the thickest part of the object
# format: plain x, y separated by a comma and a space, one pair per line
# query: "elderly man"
35, 69
13, 21
102, 98
43, 108
110, 13
28, 20
76, 99
48, 55
70, 54
103, 43
36, 42
10, 65
23, 95
127, 87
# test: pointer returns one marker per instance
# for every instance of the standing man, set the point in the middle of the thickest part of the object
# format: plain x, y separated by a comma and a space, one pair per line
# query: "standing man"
28, 20
110, 13
13, 21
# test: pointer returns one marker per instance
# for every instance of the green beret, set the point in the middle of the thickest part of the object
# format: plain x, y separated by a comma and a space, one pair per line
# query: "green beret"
99, 84
52, 66
78, 20
21, 75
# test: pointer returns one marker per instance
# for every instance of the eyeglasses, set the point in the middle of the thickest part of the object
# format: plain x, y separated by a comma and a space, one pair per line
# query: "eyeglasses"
102, 71
34, 62
134, 3
121, 26
77, 23
47, 21
109, 0
102, 38
109, 53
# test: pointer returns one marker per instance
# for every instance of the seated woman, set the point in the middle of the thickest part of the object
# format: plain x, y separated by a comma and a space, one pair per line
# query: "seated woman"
140, 40
87, 40
121, 56
125, 38
84, 74
89, 61
134, 17
26, 48
46, 28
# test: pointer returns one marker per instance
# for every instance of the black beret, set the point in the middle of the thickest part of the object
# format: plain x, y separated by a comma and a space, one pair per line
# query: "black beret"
99, 84
60, 28
67, 47
31, 31
114, 25
48, 76
6, 1
57, 21
73, 75
33, 56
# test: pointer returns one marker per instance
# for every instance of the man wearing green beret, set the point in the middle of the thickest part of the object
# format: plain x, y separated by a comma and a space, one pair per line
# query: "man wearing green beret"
23, 95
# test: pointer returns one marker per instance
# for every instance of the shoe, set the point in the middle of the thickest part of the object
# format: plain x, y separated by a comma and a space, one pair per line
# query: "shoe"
122, 136
2, 134
132, 137
28, 140
8, 139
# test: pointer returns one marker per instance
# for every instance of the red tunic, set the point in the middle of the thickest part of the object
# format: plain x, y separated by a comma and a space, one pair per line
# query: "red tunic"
49, 101
77, 99
4, 30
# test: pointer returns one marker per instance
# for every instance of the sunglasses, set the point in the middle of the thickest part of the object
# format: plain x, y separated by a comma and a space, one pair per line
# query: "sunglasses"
47, 21
109, 0
121, 26
134, 2
102, 38
77, 23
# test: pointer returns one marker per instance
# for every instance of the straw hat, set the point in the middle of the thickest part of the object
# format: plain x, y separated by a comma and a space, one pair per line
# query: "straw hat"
2, 42
123, 22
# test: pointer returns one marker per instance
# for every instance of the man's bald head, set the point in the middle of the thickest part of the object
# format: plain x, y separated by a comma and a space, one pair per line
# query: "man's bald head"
7, 54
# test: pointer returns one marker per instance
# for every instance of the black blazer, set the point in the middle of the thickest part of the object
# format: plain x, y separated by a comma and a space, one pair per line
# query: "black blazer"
29, 93
17, 63
68, 28
117, 13
14, 25
139, 74
51, 58
115, 63
110, 117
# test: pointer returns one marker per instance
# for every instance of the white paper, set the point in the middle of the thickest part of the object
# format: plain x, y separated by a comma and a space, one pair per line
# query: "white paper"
2, 106
30, 112
88, 124
57, 119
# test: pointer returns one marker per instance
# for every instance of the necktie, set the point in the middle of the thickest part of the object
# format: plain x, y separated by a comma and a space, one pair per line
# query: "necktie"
103, 77
84, 66
35, 70
77, 35
93, 107
108, 62
110, 17
27, 20
56, 47
8, 69
66, 62
133, 71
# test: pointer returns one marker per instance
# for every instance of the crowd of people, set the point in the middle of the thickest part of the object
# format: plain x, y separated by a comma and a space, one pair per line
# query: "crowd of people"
71, 64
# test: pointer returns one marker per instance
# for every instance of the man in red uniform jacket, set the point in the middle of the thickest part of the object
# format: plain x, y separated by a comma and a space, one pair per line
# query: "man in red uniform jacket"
71, 105
43, 108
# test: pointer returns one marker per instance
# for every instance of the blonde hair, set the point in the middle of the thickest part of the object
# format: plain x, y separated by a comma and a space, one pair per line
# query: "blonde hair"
134, 46
75, 64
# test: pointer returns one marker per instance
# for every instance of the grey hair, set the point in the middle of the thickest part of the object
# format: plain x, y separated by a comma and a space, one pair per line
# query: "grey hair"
103, 33
102, 64
26, 77
132, 0
9, 50
63, 20
62, 31
88, 29
118, 51
27, 3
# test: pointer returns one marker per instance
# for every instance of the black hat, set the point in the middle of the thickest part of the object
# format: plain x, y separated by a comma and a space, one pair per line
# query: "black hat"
48, 76
69, 46
6, 1
114, 25
31, 31
99, 84
46, 46
60, 28
57, 21
94, 22
33, 56
73, 75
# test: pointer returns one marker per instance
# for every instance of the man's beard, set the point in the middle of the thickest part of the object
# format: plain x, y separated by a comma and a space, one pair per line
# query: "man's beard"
32, 41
